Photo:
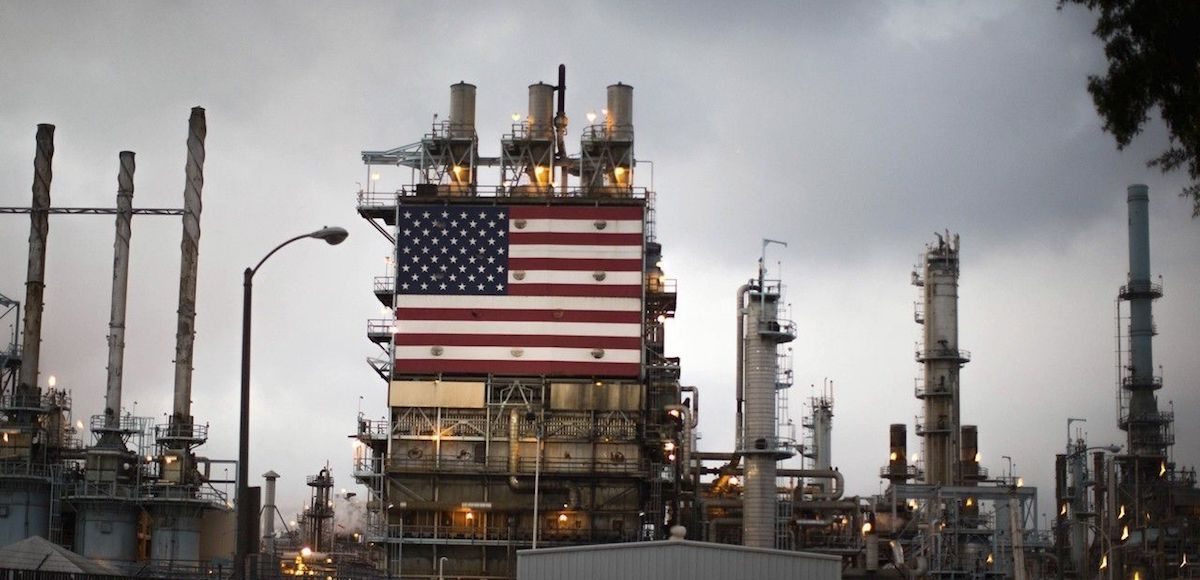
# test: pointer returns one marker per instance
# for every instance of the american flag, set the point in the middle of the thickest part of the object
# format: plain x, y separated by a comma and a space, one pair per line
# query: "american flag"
520, 290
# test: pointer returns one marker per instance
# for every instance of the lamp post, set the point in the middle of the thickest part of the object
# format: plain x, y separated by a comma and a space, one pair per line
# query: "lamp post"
245, 523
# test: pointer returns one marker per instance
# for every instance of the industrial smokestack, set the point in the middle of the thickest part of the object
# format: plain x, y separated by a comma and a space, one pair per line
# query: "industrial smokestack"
897, 467
35, 278
1142, 420
120, 287
462, 110
185, 335
268, 513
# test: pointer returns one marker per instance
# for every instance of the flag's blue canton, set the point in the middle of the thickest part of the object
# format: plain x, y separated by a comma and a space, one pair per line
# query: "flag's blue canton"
452, 250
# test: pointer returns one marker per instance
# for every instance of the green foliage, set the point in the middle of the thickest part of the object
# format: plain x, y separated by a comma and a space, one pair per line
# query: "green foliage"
1153, 50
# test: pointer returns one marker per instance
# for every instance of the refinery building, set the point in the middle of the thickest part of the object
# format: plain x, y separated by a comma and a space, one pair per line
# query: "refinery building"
535, 424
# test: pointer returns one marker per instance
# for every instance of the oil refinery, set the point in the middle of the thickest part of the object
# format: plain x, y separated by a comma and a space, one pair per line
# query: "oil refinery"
532, 403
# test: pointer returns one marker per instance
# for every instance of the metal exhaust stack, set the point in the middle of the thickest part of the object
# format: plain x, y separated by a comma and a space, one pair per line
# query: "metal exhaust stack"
28, 392
120, 288
185, 335
1141, 419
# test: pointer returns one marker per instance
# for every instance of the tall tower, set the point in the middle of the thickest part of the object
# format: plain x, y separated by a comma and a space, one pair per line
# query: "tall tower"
763, 330
1147, 429
942, 359
531, 402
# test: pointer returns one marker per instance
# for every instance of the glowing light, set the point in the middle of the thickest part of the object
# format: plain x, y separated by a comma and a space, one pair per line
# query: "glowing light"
912, 503
662, 318
671, 457
915, 457
591, 116
1063, 510
562, 518
540, 169
515, 117
1122, 514
1124, 533
6, 437
894, 456
1020, 482
79, 424
734, 481
978, 458
674, 413
305, 552
990, 559
1162, 469
1184, 562
669, 445
866, 528
470, 516
619, 171
1137, 575
1103, 561
604, 112
375, 177
52, 380
970, 501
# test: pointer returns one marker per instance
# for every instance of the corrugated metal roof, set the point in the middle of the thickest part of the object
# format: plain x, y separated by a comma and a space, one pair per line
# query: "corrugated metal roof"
673, 560
38, 553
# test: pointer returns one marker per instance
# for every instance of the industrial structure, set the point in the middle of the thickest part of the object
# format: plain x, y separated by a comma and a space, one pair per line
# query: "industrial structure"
138, 497
531, 403
532, 407
1130, 514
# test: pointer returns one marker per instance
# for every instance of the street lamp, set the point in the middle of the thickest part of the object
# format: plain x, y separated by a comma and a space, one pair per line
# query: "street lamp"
245, 522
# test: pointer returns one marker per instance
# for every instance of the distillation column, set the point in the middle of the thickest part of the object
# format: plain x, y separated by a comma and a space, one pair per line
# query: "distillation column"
760, 446
1141, 420
942, 360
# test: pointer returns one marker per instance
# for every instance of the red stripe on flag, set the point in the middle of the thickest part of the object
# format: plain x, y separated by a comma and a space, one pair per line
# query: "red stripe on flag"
606, 265
575, 239
501, 315
532, 212
575, 290
533, 367
516, 340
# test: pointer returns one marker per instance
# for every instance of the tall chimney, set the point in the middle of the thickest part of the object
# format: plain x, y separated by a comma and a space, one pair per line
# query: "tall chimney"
35, 278
120, 287
185, 335
1141, 419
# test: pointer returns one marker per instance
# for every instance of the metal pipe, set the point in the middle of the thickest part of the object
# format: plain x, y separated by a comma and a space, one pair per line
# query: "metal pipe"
738, 366
185, 334
35, 277
120, 291
695, 403
685, 442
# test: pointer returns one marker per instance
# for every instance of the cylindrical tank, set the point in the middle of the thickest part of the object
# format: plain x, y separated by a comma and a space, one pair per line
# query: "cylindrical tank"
462, 110
823, 433
969, 454
942, 360
107, 531
175, 534
28, 510
898, 452
760, 368
541, 111
619, 121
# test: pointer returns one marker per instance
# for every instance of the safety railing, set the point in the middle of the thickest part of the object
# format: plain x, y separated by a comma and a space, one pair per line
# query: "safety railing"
953, 354
385, 199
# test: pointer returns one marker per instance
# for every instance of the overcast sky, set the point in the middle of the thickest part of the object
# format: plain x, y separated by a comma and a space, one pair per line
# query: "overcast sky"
851, 130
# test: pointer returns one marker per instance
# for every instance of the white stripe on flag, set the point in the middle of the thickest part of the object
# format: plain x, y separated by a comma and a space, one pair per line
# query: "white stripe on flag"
526, 354
581, 251
522, 302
